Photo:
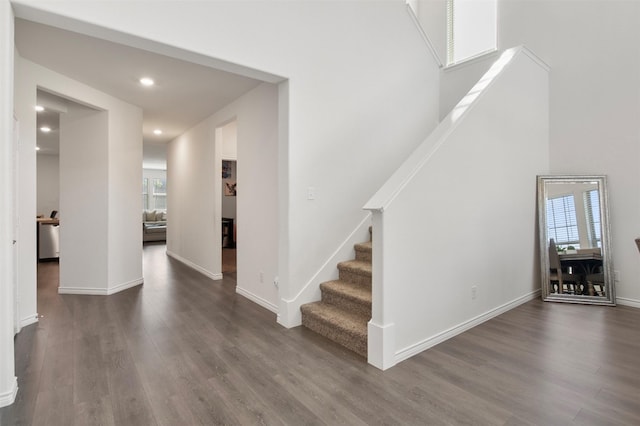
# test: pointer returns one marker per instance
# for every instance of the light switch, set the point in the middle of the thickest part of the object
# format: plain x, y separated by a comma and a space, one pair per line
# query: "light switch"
311, 193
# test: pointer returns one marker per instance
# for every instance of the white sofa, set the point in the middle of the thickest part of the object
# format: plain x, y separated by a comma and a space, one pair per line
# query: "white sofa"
154, 225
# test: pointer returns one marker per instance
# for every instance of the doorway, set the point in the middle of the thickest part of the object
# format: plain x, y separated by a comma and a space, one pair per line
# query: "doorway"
228, 137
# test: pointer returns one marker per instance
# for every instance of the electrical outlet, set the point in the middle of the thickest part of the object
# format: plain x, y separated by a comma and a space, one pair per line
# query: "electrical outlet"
474, 292
311, 193
275, 282
261, 276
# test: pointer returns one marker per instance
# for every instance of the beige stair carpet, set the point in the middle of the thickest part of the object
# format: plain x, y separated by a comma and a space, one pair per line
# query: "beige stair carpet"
344, 310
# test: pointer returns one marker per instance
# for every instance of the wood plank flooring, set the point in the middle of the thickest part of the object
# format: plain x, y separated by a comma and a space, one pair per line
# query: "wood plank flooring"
185, 350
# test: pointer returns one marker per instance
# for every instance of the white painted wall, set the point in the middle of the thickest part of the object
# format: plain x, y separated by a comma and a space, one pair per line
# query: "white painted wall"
84, 199
154, 156
8, 381
194, 172
24, 103
119, 170
191, 234
124, 173
446, 222
257, 200
48, 183
362, 93
229, 135
592, 48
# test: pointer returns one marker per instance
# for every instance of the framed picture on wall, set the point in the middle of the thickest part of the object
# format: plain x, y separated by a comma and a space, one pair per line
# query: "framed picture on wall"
230, 189
226, 170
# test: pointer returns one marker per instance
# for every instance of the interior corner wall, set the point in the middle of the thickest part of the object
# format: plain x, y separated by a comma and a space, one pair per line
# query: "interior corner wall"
230, 141
258, 196
124, 188
191, 194
83, 200
193, 231
118, 170
8, 383
48, 183
24, 101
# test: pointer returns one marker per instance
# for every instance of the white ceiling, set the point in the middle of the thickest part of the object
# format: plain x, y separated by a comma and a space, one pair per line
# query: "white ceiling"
49, 143
184, 93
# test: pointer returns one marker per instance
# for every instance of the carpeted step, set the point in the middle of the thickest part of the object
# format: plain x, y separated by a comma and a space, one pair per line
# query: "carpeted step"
346, 296
364, 251
356, 272
345, 328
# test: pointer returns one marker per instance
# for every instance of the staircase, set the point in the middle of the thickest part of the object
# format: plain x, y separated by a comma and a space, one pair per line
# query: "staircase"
345, 308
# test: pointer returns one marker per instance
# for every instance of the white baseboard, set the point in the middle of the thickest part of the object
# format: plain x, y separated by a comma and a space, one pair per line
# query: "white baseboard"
83, 291
31, 319
634, 303
213, 275
124, 286
462, 327
8, 397
89, 291
257, 299
381, 341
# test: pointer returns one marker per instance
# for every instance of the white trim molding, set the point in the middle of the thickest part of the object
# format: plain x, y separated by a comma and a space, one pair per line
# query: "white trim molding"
634, 303
91, 291
87, 291
31, 319
125, 286
213, 275
8, 397
381, 341
430, 342
257, 299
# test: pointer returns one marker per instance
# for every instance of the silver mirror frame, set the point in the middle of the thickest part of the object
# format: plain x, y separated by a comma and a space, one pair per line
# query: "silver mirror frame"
607, 264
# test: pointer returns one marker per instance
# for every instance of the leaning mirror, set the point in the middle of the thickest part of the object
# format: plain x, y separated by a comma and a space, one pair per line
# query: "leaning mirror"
575, 254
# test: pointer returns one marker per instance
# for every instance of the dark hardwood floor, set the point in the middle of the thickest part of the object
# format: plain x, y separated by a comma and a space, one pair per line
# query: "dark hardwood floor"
185, 350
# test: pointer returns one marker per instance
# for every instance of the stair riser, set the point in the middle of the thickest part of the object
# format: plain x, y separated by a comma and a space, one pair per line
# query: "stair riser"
346, 304
355, 278
364, 256
355, 343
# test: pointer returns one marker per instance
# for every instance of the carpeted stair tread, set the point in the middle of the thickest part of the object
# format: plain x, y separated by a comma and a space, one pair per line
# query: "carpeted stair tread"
356, 266
367, 246
346, 328
355, 293
364, 251
345, 309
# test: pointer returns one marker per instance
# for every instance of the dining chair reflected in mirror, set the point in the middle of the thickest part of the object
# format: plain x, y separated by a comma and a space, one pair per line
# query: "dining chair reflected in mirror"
566, 283
595, 284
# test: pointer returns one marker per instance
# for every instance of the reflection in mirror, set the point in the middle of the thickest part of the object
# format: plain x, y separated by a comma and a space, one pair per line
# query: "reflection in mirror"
574, 240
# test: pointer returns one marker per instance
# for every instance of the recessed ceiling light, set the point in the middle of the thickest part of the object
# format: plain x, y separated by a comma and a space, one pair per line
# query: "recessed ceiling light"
45, 129
37, 148
146, 81
157, 132
39, 108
